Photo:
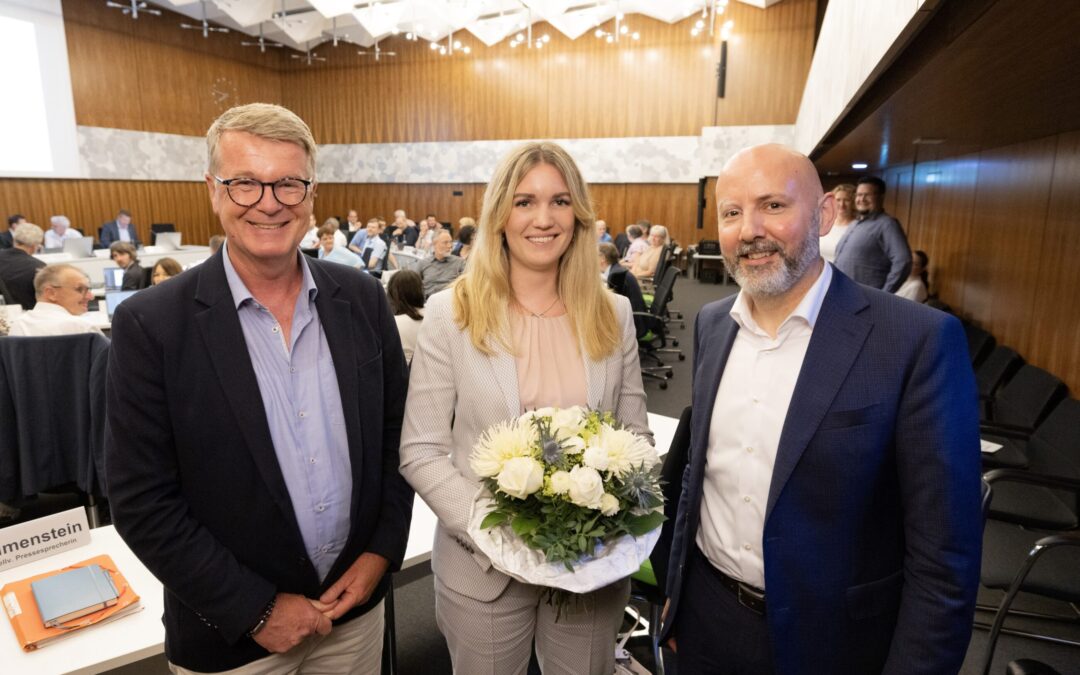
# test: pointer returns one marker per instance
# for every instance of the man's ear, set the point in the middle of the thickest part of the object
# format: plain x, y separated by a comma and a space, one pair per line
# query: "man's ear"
827, 211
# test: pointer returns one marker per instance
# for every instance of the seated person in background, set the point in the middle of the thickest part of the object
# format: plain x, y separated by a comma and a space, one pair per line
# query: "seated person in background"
463, 245
638, 244
63, 295
429, 227
353, 218
442, 267
620, 280
166, 268
405, 230
916, 285
18, 264
125, 257
120, 229
14, 221
215, 243
402, 219
60, 230
374, 252
645, 267
311, 239
360, 238
602, 235
332, 253
405, 290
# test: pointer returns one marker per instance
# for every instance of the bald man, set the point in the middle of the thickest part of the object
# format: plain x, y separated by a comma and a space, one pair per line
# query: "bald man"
830, 515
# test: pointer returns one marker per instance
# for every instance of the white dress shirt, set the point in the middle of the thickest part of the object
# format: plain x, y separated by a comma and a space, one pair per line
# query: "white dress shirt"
49, 319
744, 432
54, 240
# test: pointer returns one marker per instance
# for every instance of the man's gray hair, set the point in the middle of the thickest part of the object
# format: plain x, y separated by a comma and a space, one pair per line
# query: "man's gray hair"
28, 234
52, 275
264, 120
60, 220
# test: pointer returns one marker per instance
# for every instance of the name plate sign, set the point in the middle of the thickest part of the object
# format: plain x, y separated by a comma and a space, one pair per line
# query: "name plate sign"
41, 538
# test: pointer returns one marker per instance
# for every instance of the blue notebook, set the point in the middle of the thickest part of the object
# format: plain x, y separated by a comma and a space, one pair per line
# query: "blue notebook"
72, 594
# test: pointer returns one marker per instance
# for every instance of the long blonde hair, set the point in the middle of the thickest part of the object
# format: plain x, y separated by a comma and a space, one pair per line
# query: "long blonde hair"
482, 294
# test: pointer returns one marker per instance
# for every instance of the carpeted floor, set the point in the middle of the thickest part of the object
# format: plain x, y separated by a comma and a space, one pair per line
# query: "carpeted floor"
420, 647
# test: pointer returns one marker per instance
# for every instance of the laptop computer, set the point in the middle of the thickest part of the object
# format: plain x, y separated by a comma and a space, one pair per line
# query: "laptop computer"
114, 278
79, 247
113, 300
168, 241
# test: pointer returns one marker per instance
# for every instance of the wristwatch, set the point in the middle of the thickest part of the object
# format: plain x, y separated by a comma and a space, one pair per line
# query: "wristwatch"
263, 618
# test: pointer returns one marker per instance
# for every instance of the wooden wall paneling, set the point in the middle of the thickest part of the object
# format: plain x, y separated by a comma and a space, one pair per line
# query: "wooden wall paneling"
1056, 321
587, 91
510, 101
609, 203
104, 93
898, 194
440, 200
671, 205
942, 212
1008, 228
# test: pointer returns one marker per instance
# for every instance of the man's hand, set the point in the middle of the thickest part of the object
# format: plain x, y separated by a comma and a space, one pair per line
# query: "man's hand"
355, 586
293, 619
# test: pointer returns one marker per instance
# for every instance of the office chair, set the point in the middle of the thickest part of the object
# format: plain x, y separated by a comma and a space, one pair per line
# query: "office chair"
655, 341
1014, 412
622, 243
980, 342
995, 370
157, 228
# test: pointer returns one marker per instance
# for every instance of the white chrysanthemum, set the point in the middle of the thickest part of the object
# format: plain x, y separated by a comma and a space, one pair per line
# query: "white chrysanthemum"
625, 449
501, 442
574, 445
596, 456
560, 482
609, 504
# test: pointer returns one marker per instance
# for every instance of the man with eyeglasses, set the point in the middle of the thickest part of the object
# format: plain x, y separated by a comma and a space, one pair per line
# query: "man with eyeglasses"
63, 296
240, 471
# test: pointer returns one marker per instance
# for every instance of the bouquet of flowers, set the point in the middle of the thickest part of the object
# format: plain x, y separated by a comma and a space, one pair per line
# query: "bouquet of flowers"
570, 500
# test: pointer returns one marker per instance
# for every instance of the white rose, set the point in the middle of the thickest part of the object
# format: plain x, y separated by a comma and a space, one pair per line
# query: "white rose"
573, 445
521, 476
596, 456
609, 504
586, 487
560, 482
568, 422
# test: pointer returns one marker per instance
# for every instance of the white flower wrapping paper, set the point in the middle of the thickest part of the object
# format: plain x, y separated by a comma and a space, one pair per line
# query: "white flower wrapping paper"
508, 553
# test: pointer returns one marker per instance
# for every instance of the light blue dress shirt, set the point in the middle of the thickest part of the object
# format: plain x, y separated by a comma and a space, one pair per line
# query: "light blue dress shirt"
300, 394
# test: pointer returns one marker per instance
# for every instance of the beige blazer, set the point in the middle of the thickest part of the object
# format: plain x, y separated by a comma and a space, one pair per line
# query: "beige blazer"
455, 393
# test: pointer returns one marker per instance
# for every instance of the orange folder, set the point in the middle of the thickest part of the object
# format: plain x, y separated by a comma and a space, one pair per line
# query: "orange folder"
22, 610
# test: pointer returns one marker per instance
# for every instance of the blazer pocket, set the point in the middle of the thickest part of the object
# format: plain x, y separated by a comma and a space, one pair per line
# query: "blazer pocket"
876, 597
840, 419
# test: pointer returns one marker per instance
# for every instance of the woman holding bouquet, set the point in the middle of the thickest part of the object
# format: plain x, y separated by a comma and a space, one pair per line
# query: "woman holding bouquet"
530, 324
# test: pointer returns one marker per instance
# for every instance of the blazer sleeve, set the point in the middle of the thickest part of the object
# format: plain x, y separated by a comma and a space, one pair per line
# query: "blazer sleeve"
630, 407
938, 463
427, 441
895, 244
149, 509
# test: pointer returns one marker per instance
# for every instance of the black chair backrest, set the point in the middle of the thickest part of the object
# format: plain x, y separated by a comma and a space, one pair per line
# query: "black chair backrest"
708, 247
662, 292
147, 277
622, 242
996, 369
980, 342
1054, 448
157, 228
665, 259
1027, 398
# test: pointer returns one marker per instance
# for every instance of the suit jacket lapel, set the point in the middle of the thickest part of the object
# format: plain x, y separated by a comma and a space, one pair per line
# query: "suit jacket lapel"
220, 327
595, 380
505, 370
838, 337
714, 341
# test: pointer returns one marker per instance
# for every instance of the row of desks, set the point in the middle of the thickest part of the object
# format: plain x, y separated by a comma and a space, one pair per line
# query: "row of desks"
142, 635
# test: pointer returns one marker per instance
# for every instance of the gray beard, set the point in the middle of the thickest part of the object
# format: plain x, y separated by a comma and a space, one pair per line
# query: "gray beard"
774, 281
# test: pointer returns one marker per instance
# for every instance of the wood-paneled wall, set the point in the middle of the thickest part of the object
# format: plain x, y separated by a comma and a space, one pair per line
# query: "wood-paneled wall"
663, 85
1000, 228
89, 203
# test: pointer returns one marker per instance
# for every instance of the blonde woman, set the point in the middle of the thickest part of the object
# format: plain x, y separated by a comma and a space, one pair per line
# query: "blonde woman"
845, 216
647, 262
528, 325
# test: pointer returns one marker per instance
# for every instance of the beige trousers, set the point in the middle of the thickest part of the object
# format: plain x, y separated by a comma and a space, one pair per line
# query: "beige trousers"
353, 648
496, 638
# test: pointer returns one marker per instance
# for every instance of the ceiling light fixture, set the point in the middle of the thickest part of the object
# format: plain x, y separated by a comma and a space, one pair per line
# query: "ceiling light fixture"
133, 8
204, 25
262, 43
859, 166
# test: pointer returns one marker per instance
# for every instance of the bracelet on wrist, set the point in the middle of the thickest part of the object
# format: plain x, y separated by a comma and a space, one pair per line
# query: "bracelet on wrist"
263, 618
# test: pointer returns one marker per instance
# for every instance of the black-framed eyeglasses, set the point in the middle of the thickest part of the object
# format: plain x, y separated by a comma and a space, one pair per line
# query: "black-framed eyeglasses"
248, 191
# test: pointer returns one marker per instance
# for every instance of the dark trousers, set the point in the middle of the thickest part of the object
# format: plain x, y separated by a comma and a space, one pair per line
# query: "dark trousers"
714, 633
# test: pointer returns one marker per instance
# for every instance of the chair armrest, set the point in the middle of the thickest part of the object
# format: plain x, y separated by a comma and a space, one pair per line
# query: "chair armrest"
1029, 478
1070, 538
1007, 430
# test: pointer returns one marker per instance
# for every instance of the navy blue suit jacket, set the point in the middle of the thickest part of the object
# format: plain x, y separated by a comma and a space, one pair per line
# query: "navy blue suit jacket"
110, 233
193, 480
873, 528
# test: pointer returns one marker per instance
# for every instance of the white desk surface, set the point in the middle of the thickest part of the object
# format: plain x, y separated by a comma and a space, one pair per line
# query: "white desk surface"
94, 266
142, 634
92, 650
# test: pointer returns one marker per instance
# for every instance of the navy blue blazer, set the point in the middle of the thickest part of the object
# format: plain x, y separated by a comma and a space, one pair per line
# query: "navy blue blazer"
193, 480
873, 528
110, 233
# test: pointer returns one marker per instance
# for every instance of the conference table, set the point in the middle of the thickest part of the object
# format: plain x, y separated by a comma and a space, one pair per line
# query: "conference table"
141, 635
94, 266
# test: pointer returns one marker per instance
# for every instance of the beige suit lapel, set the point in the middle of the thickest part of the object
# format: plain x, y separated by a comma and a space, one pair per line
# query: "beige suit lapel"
595, 381
505, 369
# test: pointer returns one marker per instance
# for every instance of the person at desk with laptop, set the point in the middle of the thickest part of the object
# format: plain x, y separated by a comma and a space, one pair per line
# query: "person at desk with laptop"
63, 296
127, 259
120, 229
59, 232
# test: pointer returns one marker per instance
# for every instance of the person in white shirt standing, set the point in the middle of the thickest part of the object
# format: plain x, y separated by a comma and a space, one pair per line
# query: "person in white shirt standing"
63, 296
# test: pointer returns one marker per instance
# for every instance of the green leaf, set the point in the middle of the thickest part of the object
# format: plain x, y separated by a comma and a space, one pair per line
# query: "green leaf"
639, 525
523, 525
494, 518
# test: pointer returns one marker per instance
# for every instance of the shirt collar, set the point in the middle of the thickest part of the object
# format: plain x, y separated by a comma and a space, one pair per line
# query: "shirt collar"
807, 310
42, 307
239, 289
